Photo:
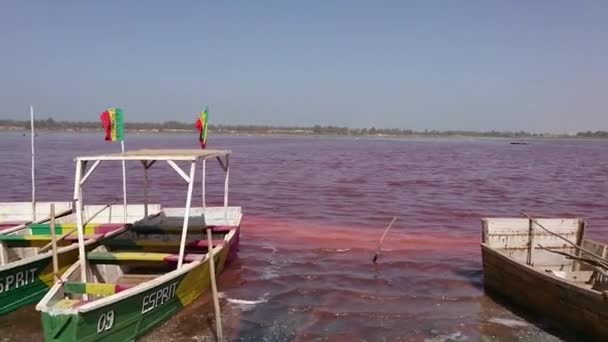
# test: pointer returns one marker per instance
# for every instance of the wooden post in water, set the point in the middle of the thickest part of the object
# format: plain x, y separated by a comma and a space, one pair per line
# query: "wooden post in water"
54, 244
216, 301
375, 258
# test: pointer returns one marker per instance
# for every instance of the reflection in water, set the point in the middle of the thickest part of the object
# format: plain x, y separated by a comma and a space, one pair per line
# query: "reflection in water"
314, 211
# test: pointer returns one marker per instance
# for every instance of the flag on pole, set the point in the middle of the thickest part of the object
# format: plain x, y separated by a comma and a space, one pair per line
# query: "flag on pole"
113, 123
201, 125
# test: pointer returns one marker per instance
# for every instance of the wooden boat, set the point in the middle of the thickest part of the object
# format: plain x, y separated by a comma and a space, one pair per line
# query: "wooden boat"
26, 272
138, 279
540, 272
16, 215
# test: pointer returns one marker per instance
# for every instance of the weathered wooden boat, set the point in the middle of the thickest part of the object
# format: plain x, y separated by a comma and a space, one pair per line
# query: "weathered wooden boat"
138, 279
528, 263
26, 270
17, 215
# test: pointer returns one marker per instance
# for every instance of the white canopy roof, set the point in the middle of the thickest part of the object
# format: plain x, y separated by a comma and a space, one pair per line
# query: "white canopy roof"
160, 154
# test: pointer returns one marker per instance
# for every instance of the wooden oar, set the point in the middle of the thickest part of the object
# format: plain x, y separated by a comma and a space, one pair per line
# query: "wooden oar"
63, 236
375, 258
216, 301
602, 260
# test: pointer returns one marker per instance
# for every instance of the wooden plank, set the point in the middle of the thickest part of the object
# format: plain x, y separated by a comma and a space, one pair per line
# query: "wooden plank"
151, 244
22, 211
515, 232
542, 257
520, 225
128, 257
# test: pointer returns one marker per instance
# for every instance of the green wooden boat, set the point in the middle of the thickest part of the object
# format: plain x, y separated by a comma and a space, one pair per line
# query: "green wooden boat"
141, 277
26, 273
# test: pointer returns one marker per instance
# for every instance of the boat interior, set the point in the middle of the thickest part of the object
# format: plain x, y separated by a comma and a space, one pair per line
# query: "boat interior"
526, 242
145, 251
101, 220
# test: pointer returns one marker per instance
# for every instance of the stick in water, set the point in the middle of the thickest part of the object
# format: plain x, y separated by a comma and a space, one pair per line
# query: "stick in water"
375, 258
216, 301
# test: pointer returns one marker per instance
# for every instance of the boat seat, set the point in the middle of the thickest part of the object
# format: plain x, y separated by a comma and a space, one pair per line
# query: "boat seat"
15, 240
222, 229
157, 244
97, 289
116, 258
160, 229
11, 224
63, 228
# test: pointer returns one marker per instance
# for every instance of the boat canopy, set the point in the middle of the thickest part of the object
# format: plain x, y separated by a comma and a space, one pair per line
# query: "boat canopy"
149, 157
160, 154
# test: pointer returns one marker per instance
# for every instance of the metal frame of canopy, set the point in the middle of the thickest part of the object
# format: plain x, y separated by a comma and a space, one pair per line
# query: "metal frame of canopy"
148, 158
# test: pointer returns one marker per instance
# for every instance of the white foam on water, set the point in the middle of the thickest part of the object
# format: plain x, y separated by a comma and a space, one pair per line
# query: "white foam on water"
508, 322
457, 336
244, 304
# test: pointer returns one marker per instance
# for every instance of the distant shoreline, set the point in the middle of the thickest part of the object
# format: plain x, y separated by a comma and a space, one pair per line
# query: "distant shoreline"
50, 125
514, 138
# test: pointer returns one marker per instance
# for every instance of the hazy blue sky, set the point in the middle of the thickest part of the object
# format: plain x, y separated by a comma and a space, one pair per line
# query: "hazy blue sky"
506, 65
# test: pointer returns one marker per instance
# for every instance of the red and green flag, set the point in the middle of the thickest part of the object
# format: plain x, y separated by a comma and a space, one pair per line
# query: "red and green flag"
201, 125
113, 122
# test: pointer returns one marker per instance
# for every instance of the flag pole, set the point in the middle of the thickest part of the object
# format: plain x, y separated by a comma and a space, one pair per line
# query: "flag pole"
33, 164
124, 181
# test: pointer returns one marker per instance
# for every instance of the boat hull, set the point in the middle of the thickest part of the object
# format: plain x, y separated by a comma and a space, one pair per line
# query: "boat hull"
566, 305
27, 283
134, 315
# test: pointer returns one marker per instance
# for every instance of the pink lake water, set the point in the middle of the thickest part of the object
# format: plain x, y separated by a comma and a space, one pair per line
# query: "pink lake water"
314, 210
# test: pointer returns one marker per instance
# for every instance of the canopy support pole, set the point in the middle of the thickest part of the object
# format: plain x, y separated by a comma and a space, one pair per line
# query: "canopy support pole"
145, 164
79, 224
203, 185
178, 170
182, 246
89, 172
124, 182
227, 176
33, 165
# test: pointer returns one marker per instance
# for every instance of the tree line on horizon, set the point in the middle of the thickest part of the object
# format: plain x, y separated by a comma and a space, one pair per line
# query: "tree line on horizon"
167, 126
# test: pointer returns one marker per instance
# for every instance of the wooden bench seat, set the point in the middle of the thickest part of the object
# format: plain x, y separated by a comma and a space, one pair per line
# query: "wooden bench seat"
117, 258
157, 244
160, 229
10, 224
15, 240
64, 228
